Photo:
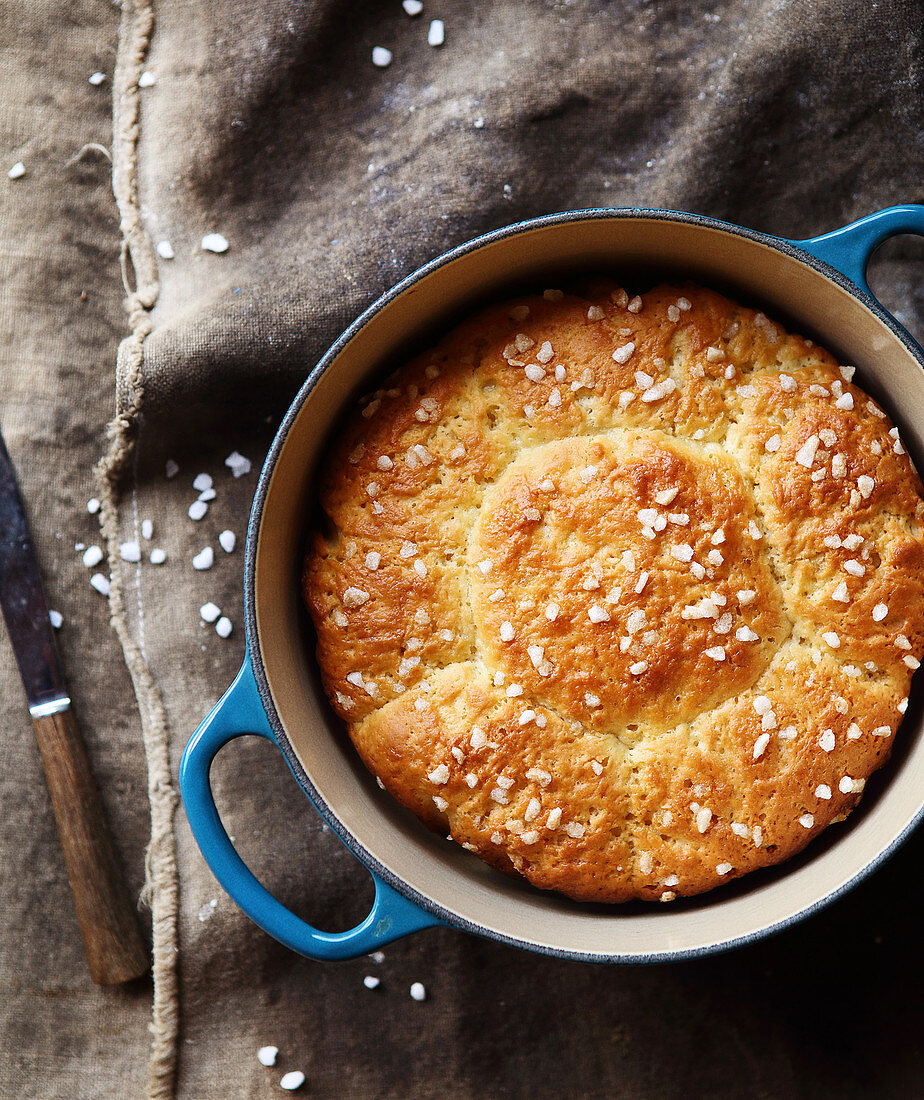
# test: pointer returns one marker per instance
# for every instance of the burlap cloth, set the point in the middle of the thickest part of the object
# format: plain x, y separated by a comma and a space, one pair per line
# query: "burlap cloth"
331, 179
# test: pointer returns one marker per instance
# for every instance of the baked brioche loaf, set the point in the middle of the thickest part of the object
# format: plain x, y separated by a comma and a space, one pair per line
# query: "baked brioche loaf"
623, 594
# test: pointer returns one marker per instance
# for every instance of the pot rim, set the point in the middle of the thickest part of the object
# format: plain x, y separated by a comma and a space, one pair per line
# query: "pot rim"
254, 655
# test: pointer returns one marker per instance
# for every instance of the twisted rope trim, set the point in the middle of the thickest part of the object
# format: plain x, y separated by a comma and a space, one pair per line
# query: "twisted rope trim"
139, 275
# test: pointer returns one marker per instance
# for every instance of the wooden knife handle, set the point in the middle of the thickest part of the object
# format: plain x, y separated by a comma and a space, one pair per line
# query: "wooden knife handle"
107, 919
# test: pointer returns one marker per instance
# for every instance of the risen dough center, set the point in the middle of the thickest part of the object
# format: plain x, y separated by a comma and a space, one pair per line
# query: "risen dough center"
622, 578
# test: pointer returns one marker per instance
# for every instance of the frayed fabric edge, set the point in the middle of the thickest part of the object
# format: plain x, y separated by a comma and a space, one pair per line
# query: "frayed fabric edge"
139, 274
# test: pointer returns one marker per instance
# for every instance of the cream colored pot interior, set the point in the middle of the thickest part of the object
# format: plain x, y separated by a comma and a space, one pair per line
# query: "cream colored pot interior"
455, 880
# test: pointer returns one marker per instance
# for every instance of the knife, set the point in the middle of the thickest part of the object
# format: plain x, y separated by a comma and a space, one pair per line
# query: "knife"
108, 922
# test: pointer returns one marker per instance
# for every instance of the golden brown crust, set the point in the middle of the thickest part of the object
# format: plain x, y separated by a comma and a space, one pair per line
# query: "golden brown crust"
623, 594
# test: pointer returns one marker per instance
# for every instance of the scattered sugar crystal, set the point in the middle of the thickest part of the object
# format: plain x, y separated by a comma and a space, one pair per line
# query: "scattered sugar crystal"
506, 631
205, 559
624, 353
130, 551
55, 618
146, 80
381, 57
227, 540
93, 506
267, 1056
575, 830
832, 639
92, 556
165, 250
879, 612
412, 7
436, 35
214, 242
807, 821
147, 529
826, 741
198, 509
158, 556
100, 583
17, 171
659, 390
238, 464
840, 593
805, 456
760, 745
371, 982
823, 791
723, 868
717, 653
223, 627
352, 597
703, 819
292, 1080
865, 485
201, 482
209, 612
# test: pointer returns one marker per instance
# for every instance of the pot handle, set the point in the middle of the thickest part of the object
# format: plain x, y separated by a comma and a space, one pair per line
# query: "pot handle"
849, 248
240, 713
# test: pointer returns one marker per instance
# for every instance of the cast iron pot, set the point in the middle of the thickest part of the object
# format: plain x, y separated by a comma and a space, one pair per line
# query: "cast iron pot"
817, 286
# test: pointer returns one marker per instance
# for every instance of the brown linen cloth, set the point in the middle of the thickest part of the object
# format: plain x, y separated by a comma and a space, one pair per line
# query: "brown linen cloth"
331, 179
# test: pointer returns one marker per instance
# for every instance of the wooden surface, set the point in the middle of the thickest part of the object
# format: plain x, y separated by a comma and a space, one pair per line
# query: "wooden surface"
115, 952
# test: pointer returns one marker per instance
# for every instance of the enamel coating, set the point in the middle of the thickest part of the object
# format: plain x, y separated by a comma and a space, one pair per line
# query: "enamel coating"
419, 879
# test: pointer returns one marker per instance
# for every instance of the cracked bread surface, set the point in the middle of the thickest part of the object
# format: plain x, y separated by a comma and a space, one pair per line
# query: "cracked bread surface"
624, 594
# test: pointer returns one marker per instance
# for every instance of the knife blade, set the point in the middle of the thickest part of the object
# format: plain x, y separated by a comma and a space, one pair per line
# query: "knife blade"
22, 597
108, 923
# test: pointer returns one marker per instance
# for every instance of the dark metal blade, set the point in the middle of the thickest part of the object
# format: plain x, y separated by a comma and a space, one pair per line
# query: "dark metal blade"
22, 598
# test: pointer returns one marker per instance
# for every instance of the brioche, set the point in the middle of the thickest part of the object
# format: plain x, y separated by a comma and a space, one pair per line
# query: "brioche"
623, 594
